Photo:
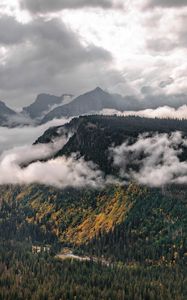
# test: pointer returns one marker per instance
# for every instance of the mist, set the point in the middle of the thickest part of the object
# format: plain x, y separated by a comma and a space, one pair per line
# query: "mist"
152, 160
163, 112
22, 165
25, 135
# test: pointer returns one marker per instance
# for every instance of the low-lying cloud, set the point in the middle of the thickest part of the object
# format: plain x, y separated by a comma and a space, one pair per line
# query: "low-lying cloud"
22, 165
162, 112
26, 135
152, 160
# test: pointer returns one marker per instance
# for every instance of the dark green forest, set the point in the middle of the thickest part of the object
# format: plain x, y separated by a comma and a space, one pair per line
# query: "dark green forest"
146, 252
24, 275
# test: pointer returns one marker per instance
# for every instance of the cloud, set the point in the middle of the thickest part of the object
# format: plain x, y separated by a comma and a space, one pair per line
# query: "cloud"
48, 56
164, 112
161, 44
46, 6
68, 51
16, 31
152, 160
166, 3
182, 32
25, 135
164, 83
61, 172
27, 164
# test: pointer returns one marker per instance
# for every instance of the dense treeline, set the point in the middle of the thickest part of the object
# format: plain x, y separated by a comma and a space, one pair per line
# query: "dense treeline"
140, 232
14, 226
155, 229
24, 275
126, 223
94, 135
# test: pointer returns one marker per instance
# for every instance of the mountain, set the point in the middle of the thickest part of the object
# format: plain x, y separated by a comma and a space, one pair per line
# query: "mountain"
115, 242
7, 115
92, 136
92, 101
43, 104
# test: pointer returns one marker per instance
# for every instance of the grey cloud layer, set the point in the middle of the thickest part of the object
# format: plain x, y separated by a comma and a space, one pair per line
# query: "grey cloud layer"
167, 3
16, 31
44, 6
45, 55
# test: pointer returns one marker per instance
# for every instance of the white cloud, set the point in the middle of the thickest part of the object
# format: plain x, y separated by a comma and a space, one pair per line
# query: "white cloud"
160, 112
25, 165
152, 160
26, 135
61, 172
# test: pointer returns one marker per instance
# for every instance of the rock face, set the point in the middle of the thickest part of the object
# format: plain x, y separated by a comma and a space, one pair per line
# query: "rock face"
43, 104
92, 101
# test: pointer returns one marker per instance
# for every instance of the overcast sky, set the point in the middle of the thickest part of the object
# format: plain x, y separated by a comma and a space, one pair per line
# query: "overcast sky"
132, 47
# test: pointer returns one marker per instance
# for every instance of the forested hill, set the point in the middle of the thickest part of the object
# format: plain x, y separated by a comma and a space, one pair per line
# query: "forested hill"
91, 136
130, 125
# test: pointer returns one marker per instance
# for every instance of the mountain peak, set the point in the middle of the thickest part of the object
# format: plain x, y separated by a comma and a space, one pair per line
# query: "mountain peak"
5, 109
42, 105
44, 97
98, 89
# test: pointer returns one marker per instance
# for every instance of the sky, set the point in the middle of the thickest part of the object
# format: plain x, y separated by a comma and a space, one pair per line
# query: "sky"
131, 47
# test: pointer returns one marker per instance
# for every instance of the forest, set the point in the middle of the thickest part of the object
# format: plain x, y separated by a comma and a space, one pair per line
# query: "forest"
140, 231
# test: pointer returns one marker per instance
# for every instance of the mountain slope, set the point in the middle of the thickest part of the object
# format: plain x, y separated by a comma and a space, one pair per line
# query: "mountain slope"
43, 104
134, 238
95, 216
92, 101
7, 115
130, 223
